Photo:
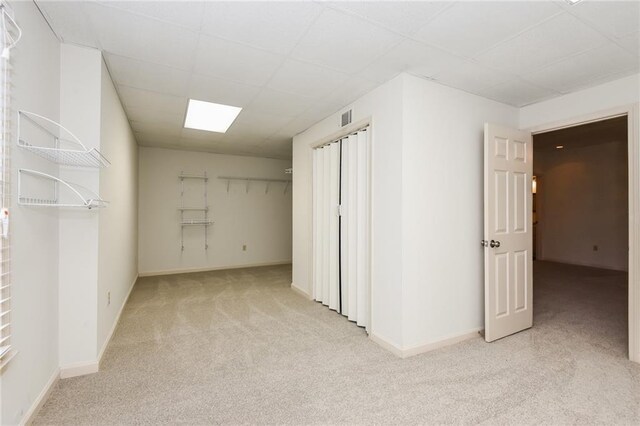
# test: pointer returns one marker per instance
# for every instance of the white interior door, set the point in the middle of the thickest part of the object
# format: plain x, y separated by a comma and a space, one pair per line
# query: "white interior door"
508, 168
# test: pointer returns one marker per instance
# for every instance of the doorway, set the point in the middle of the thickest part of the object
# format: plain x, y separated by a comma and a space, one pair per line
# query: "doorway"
508, 168
581, 231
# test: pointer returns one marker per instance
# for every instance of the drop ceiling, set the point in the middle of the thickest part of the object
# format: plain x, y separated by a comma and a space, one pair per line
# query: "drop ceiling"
288, 65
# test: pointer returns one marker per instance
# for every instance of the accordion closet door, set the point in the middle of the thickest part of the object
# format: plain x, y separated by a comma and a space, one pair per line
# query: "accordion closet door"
341, 218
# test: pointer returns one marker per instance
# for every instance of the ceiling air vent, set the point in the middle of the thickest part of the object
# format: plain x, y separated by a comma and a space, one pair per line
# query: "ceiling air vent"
346, 119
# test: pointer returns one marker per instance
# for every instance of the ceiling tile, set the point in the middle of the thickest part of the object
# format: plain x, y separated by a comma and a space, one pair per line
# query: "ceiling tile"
517, 93
211, 89
405, 17
145, 115
160, 127
412, 57
280, 103
631, 43
305, 79
471, 77
348, 92
607, 78
176, 12
256, 123
70, 22
487, 22
542, 45
576, 71
144, 75
201, 135
152, 101
273, 26
343, 42
142, 38
235, 62
616, 18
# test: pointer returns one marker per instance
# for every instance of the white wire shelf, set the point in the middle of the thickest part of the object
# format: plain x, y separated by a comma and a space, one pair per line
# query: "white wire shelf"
248, 181
189, 176
194, 209
78, 196
196, 222
74, 153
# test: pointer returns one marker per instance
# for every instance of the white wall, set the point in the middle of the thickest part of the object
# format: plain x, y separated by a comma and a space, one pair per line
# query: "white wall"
583, 201
80, 86
34, 231
260, 221
57, 322
383, 109
118, 223
442, 166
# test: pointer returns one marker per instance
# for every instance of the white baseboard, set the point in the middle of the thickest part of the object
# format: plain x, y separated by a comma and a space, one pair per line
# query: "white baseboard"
425, 347
386, 344
90, 367
301, 292
587, 264
79, 369
211, 268
115, 323
41, 399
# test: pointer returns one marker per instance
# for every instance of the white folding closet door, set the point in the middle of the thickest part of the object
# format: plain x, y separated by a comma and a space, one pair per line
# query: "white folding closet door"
349, 226
362, 221
341, 235
355, 227
325, 224
317, 223
333, 231
345, 172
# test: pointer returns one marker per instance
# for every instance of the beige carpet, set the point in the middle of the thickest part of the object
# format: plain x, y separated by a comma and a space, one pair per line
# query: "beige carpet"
239, 347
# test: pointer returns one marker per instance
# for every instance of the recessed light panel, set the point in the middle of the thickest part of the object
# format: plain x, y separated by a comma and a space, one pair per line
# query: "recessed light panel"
211, 117
559, 146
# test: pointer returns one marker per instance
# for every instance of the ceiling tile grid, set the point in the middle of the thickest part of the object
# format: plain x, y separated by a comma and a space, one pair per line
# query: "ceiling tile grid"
290, 64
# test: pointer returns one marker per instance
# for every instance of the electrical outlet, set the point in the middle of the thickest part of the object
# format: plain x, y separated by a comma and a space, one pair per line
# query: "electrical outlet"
595, 248
244, 247
108, 298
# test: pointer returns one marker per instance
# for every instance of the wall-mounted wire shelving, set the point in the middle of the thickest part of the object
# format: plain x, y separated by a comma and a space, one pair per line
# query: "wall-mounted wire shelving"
68, 151
203, 221
248, 181
51, 191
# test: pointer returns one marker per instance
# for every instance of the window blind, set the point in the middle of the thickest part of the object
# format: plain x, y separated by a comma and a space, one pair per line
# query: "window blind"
10, 33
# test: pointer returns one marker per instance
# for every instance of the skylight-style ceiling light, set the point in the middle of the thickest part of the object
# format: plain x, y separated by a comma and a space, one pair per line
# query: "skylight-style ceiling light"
573, 1
211, 117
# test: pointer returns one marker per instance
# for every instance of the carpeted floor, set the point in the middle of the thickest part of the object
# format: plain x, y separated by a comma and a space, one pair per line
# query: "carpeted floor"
240, 347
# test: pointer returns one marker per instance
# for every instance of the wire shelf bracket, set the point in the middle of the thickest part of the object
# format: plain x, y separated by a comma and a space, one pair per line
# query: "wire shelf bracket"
67, 152
79, 195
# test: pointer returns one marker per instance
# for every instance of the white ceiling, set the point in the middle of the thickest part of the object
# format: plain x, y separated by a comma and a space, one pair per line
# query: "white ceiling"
291, 64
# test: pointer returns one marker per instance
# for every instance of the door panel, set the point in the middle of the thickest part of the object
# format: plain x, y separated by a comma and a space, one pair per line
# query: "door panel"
507, 229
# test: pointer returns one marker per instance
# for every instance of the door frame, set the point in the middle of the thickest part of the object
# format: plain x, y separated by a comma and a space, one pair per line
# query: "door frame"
633, 146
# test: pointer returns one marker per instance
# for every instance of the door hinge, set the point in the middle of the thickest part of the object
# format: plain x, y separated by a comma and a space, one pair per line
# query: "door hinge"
339, 211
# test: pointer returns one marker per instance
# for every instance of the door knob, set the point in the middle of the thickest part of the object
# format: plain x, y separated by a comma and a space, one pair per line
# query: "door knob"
484, 243
494, 244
